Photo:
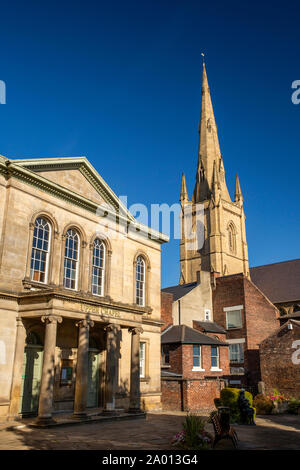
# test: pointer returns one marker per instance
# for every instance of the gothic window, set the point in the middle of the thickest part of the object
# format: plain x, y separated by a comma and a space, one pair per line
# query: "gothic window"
40, 250
71, 259
231, 238
98, 269
140, 281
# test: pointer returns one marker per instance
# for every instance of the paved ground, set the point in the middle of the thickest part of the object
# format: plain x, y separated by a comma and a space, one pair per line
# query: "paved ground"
153, 433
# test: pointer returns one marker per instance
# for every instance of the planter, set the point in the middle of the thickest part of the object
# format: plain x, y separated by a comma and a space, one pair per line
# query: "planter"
280, 407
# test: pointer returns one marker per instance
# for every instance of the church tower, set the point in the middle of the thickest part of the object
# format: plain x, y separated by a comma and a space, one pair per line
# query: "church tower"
213, 232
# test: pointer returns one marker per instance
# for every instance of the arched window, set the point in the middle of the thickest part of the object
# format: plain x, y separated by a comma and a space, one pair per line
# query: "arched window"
98, 268
71, 259
40, 250
140, 281
231, 238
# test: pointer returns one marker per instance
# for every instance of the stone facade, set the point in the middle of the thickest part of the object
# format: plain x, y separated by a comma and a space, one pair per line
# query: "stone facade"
280, 360
69, 333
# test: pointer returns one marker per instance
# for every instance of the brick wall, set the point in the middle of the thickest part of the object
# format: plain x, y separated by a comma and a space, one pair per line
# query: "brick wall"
166, 309
190, 394
258, 319
181, 361
261, 321
171, 398
277, 368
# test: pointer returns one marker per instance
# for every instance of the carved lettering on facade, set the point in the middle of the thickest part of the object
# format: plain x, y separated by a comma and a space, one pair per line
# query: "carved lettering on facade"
102, 311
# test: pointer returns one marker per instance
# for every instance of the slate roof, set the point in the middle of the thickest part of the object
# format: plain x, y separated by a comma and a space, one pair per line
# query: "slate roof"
165, 373
180, 290
280, 282
185, 335
210, 326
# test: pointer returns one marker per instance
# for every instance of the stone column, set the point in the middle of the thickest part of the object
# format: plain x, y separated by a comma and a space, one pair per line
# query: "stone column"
85, 263
134, 405
82, 368
47, 381
15, 395
56, 260
112, 360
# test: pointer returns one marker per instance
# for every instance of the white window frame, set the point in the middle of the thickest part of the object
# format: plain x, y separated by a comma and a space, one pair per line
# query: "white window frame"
215, 368
77, 261
207, 313
47, 256
143, 347
140, 284
97, 267
235, 308
198, 368
240, 354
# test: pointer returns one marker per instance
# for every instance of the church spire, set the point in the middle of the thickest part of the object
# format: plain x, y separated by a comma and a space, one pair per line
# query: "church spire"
183, 193
238, 196
209, 148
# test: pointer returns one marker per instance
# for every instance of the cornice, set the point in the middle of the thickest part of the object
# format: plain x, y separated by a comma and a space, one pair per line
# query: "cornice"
77, 297
24, 170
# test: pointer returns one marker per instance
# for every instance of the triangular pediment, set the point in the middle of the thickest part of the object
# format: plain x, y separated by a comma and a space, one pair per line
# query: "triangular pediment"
77, 175
75, 180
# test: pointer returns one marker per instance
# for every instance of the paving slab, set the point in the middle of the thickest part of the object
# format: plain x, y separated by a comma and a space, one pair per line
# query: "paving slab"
153, 433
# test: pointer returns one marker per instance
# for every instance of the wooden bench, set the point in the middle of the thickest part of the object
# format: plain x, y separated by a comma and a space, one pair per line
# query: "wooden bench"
222, 433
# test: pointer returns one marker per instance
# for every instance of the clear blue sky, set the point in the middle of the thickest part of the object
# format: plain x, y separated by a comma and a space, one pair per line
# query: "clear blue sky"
120, 82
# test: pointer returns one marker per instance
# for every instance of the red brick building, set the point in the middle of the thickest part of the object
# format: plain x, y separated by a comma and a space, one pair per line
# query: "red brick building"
280, 282
194, 362
280, 360
248, 317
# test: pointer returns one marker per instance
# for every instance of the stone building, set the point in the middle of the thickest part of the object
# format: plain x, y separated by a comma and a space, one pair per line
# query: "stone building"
217, 221
80, 293
280, 360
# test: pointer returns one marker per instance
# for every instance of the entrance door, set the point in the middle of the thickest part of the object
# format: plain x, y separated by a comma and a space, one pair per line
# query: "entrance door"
31, 379
93, 379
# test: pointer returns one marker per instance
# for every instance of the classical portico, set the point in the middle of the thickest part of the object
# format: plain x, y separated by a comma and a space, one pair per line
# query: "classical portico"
64, 317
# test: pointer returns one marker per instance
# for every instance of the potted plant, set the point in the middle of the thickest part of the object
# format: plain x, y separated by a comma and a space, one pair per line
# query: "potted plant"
193, 435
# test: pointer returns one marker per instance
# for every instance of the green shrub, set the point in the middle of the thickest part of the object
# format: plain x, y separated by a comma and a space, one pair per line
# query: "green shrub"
263, 404
294, 406
229, 397
249, 397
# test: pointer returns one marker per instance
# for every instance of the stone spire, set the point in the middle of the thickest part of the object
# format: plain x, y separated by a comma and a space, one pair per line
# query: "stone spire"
183, 193
216, 187
209, 149
238, 196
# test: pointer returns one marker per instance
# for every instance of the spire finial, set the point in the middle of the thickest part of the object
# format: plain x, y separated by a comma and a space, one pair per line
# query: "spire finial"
238, 196
203, 57
183, 193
